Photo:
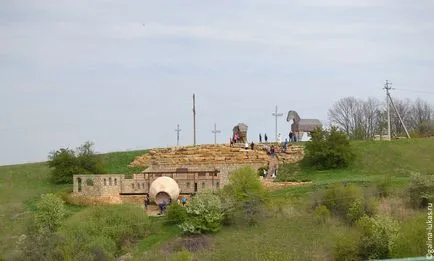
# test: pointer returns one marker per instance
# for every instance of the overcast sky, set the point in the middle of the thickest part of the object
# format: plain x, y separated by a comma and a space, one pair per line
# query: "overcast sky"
122, 73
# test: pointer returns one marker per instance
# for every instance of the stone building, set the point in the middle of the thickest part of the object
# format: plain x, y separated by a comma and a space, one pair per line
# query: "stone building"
189, 182
195, 169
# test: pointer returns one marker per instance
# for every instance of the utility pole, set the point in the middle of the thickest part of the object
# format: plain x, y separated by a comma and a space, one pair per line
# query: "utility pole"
388, 87
276, 115
215, 131
194, 120
177, 135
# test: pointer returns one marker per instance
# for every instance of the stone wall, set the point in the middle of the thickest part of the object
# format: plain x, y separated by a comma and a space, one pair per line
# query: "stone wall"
97, 185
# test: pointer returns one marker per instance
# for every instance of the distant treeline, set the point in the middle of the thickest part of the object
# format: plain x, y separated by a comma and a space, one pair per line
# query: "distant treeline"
363, 119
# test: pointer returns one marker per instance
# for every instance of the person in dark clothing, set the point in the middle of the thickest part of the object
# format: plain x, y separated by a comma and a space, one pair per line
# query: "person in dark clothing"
272, 151
291, 136
265, 138
161, 207
252, 145
260, 138
146, 202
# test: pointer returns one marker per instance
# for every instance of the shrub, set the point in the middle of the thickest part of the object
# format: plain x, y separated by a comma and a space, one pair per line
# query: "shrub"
420, 191
67, 162
288, 172
50, 213
328, 150
176, 214
243, 197
355, 211
411, 239
204, 214
378, 235
338, 198
321, 214
346, 247
346, 201
96, 233
384, 186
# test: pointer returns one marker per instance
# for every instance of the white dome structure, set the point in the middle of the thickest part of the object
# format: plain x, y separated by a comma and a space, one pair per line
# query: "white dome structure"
163, 189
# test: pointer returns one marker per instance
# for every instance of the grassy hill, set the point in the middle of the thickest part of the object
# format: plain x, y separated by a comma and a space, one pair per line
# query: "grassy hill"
21, 185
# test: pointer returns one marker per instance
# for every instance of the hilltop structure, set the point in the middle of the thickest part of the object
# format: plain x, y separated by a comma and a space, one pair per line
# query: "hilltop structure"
194, 169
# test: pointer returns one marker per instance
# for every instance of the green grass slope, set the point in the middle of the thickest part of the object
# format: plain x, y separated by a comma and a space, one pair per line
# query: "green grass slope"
21, 185
374, 161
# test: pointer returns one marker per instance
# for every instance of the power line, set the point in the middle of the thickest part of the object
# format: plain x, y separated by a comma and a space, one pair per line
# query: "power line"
409, 90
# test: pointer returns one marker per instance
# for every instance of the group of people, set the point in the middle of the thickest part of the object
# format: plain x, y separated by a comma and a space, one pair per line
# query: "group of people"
292, 138
163, 204
265, 138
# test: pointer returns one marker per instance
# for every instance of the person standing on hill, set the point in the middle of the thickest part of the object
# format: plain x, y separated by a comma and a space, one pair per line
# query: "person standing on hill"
265, 137
260, 138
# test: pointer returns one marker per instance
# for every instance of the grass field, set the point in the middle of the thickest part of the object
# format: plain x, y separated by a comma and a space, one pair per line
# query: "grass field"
21, 185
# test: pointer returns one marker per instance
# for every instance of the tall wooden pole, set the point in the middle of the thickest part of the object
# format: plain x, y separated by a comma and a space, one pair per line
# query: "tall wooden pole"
194, 120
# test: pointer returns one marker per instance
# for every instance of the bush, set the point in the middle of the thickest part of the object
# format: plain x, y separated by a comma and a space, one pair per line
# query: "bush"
67, 162
204, 214
384, 186
346, 201
176, 214
378, 235
411, 239
321, 214
243, 197
288, 172
355, 211
97, 233
346, 247
420, 191
328, 150
50, 213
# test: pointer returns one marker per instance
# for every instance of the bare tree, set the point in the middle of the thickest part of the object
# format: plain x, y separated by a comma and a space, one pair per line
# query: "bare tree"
403, 107
363, 119
345, 114
371, 117
420, 112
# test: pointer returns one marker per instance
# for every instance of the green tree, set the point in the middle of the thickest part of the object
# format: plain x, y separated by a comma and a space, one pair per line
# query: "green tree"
328, 149
67, 162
